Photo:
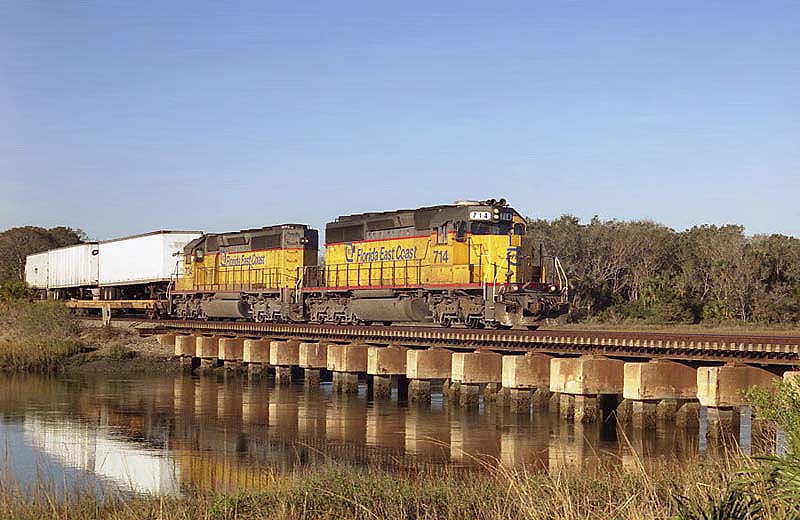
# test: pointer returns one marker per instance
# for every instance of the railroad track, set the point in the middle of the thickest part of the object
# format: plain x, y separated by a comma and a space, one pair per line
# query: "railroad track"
748, 348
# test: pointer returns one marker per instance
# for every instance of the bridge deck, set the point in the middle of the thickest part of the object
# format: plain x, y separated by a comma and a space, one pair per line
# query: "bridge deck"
777, 349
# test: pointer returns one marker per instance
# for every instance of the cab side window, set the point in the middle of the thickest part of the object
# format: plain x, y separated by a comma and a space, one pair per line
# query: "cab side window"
441, 234
461, 231
519, 229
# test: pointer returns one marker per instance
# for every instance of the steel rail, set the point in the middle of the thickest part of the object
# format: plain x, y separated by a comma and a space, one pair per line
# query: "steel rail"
762, 349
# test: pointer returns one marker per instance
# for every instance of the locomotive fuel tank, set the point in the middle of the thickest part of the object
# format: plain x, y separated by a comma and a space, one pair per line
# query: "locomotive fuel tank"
390, 309
233, 308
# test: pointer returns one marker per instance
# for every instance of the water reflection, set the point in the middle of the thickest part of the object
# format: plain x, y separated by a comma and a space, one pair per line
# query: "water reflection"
120, 461
167, 434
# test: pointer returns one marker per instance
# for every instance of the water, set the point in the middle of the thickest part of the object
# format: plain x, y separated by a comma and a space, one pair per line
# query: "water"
165, 435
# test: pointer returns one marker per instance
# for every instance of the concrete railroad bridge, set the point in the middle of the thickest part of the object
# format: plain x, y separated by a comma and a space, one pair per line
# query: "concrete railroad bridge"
646, 378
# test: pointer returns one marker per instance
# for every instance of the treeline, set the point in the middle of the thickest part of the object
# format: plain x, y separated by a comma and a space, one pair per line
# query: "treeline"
19, 242
646, 271
618, 270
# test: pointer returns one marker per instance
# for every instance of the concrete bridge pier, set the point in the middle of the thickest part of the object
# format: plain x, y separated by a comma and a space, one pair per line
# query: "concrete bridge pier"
450, 390
385, 366
721, 389
185, 348
346, 361
207, 349
525, 377
283, 355
424, 366
255, 355
554, 402
345, 382
588, 386
231, 353
166, 339
656, 391
476, 371
312, 358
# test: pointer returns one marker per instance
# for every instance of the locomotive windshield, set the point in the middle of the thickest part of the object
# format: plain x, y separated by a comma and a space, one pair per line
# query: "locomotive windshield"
496, 228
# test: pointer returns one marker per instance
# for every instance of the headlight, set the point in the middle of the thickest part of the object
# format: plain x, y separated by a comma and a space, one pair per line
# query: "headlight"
553, 288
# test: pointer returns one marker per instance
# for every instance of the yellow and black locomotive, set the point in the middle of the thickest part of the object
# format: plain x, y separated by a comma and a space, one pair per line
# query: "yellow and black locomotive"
250, 274
467, 263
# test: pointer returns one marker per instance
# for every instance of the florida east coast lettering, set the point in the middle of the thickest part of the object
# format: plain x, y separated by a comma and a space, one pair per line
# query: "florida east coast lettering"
231, 260
359, 255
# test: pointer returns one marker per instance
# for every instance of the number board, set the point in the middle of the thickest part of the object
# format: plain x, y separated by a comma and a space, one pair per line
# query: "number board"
480, 215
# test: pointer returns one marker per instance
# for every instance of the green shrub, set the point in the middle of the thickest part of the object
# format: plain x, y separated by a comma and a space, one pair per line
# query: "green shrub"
118, 352
47, 318
766, 487
14, 290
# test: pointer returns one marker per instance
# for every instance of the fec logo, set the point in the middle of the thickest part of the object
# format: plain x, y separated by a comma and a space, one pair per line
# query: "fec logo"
349, 252
512, 256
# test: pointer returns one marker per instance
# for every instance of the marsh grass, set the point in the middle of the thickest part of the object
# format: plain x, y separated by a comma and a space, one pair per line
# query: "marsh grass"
37, 337
643, 491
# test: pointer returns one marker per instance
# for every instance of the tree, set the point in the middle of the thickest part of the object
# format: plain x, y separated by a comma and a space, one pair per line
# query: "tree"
17, 243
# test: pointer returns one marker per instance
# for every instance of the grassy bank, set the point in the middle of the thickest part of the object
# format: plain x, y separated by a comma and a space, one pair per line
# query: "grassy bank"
676, 490
37, 337
45, 338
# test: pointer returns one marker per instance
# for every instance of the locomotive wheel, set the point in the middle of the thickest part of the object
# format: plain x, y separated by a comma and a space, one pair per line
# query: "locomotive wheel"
446, 322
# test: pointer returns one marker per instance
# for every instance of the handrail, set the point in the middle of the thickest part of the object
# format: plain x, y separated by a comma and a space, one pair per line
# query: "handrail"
561, 273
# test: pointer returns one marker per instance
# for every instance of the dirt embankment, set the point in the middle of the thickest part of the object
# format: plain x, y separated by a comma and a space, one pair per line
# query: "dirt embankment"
120, 349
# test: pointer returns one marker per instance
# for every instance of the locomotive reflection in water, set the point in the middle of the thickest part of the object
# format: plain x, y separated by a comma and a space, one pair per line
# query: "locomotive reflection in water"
469, 263
168, 434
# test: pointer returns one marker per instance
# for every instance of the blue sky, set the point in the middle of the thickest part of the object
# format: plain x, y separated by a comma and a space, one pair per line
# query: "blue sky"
125, 117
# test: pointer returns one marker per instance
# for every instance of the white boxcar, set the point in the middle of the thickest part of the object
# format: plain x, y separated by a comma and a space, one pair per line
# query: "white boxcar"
144, 258
72, 266
36, 270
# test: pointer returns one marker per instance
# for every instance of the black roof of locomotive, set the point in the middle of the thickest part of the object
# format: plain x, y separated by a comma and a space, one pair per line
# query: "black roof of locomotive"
275, 230
422, 217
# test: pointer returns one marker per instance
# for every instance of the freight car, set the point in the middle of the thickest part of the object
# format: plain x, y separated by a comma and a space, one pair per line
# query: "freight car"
136, 268
143, 266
